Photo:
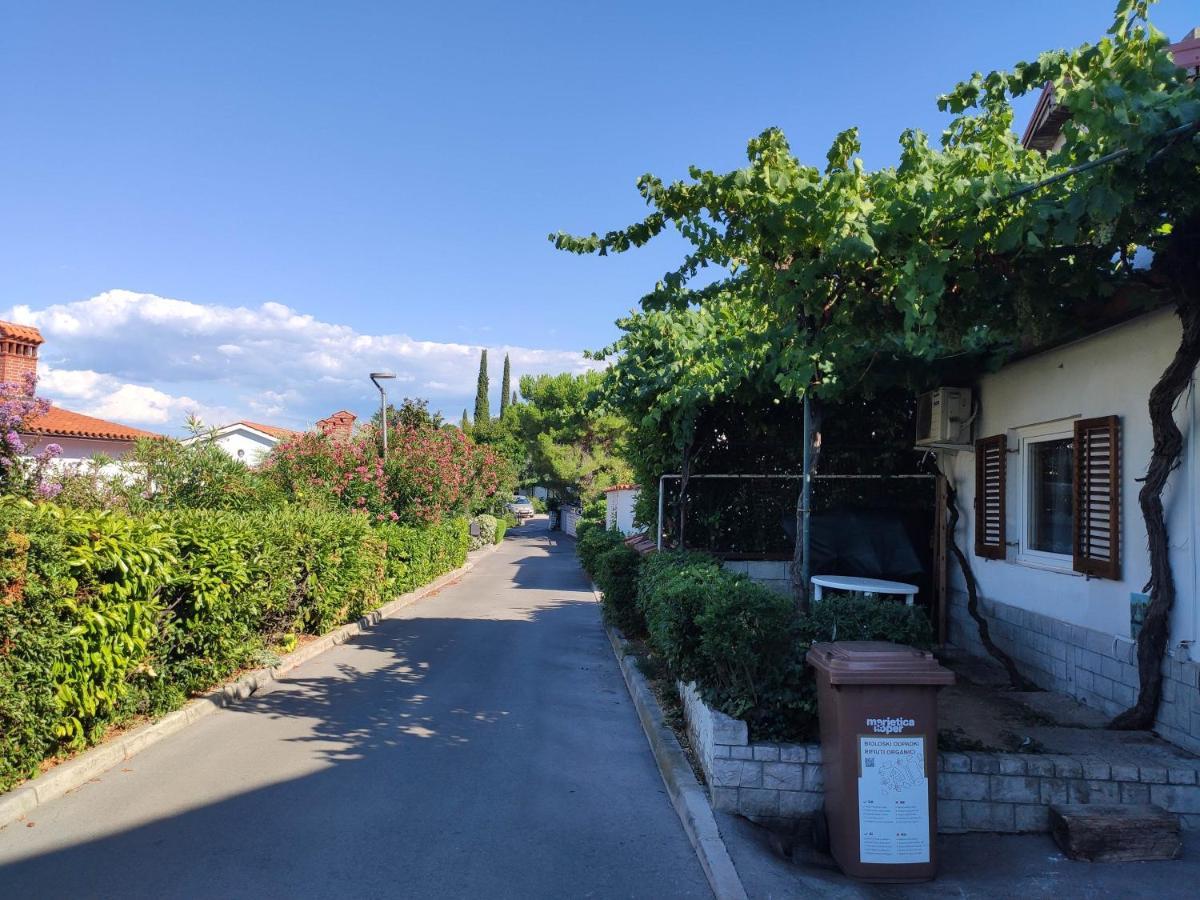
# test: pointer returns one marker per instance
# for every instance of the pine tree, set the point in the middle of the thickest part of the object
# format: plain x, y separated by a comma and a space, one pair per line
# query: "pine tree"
483, 411
466, 423
505, 386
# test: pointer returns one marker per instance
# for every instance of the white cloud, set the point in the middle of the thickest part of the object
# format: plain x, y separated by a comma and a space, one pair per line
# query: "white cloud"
150, 360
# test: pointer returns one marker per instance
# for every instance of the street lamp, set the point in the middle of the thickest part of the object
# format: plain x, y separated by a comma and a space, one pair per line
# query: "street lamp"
375, 377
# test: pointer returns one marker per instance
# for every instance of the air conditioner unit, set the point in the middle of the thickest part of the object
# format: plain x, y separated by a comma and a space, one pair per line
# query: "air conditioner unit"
944, 417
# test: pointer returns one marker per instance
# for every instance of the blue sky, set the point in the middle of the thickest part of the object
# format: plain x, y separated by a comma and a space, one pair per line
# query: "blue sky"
391, 171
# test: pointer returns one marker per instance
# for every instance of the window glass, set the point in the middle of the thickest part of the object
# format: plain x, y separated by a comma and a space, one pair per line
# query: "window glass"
1051, 502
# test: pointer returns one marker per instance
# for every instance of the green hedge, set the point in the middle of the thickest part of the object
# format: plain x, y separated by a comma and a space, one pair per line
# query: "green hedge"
745, 645
105, 616
591, 539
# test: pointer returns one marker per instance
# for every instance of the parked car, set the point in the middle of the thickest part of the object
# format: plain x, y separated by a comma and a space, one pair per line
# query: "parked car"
521, 508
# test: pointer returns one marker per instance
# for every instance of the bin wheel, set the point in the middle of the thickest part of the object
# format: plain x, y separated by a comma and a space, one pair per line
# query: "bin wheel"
820, 830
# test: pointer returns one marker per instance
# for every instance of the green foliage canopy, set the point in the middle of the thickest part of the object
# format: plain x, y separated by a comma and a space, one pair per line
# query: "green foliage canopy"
831, 280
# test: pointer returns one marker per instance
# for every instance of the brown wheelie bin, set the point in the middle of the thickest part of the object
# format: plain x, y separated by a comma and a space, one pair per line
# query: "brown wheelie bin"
878, 711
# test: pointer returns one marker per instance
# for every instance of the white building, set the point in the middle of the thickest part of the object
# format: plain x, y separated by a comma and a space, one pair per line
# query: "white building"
1049, 503
248, 442
620, 500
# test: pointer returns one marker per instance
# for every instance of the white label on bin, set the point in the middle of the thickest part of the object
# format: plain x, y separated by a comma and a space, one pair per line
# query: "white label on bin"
893, 800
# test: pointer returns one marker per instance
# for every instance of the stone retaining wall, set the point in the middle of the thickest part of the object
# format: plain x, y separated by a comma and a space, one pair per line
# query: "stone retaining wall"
1097, 669
977, 791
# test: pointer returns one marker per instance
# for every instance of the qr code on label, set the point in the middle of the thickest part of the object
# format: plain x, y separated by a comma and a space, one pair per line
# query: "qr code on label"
869, 762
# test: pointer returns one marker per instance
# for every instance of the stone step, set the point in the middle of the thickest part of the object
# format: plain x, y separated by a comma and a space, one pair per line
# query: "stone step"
1104, 833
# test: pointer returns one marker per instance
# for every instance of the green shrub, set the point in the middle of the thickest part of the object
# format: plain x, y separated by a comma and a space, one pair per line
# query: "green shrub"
107, 615
590, 541
749, 660
502, 526
416, 556
855, 617
487, 532
674, 589
744, 645
616, 575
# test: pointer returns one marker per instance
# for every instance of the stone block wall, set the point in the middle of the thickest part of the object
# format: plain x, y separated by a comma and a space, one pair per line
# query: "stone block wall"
759, 780
772, 573
977, 791
1095, 668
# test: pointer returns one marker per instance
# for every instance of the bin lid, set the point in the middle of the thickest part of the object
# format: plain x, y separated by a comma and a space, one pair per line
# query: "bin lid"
877, 662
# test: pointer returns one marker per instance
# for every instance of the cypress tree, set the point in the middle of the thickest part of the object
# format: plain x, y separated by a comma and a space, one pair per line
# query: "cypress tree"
466, 423
505, 386
483, 411
514, 399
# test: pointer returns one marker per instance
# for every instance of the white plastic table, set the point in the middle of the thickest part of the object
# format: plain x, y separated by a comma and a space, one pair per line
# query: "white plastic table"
866, 585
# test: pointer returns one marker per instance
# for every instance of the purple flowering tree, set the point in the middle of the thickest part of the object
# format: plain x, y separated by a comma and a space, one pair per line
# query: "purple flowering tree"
21, 472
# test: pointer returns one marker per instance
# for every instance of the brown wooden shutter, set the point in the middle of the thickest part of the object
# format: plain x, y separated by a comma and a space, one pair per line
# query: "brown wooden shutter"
990, 464
1097, 497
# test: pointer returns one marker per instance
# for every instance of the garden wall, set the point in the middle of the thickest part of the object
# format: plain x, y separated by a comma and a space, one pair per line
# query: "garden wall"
977, 791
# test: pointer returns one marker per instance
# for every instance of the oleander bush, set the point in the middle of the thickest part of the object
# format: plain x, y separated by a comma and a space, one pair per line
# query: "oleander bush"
108, 615
745, 645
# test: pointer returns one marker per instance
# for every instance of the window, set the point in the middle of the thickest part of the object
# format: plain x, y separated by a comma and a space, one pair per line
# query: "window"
1046, 504
1067, 496
1051, 508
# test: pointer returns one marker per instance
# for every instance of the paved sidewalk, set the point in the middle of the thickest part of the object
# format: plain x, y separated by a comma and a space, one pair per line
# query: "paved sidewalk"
976, 866
480, 745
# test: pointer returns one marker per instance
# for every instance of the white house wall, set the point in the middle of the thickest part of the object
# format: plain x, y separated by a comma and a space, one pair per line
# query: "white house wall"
619, 505
1110, 373
1071, 632
252, 446
79, 450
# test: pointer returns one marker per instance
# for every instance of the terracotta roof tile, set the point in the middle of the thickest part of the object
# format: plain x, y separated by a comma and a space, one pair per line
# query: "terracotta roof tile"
17, 332
623, 487
60, 422
273, 430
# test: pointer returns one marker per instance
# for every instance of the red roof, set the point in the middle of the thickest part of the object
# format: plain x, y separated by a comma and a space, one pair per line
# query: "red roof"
623, 487
15, 332
273, 430
60, 422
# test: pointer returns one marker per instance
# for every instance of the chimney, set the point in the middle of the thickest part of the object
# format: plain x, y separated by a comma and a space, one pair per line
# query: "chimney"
339, 426
18, 352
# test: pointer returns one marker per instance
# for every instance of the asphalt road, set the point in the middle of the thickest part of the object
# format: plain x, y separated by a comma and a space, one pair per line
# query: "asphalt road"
482, 745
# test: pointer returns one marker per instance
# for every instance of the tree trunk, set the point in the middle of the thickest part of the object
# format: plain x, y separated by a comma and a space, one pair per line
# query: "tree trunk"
1168, 447
685, 474
1016, 679
800, 590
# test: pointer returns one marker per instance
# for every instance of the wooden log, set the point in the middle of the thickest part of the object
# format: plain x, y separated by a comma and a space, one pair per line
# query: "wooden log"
1105, 833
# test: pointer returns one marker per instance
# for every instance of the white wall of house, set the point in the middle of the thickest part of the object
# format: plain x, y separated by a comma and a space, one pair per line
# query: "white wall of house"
242, 443
620, 505
1105, 374
1069, 632
77, 450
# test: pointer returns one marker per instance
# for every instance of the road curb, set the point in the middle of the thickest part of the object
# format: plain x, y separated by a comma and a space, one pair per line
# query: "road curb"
687, 795
91, 763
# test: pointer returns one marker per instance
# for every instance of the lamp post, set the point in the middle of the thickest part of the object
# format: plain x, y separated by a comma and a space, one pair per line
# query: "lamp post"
375, 378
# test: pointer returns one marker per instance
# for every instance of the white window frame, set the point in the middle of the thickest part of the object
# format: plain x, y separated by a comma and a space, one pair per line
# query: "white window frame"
1028, 436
